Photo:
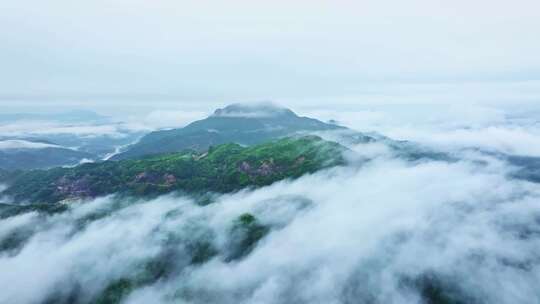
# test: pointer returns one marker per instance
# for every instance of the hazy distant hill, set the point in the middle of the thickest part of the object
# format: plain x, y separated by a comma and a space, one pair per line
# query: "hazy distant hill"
86, 131
25, 154
68, 116
237, 123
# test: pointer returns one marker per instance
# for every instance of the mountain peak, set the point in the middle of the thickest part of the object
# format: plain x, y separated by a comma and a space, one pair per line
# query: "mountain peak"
256, 110
245, 124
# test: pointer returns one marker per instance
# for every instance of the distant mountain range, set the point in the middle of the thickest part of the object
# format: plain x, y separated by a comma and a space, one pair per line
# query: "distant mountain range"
47, 140
236, 123
27, 154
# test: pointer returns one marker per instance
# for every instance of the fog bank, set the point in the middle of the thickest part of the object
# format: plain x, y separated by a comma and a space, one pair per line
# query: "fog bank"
389, 231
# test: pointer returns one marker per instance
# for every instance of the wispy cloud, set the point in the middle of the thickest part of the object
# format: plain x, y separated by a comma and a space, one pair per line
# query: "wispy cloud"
24, 144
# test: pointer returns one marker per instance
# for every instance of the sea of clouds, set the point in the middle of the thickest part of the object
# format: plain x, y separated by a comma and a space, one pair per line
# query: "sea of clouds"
389, 230
340, 236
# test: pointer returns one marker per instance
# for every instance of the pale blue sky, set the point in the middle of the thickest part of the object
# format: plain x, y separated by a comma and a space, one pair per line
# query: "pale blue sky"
205, 53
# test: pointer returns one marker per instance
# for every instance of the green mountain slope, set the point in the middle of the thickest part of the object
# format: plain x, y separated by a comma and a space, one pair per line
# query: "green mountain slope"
223, 168
242, 124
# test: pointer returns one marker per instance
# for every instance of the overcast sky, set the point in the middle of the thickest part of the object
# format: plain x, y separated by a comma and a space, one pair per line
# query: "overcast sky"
197, 54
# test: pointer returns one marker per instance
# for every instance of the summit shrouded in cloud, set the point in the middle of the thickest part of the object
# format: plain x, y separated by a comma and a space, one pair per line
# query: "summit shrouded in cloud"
256, 110
244, 124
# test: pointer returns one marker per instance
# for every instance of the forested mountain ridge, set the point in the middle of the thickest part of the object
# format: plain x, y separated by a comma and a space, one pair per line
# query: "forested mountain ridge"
223, 168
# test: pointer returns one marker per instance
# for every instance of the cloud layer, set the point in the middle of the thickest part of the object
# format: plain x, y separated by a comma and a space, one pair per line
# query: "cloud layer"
388, 231
23, 144
444, 127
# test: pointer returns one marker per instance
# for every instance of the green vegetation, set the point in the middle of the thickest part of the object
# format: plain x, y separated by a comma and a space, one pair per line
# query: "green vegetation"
436, 289
115, 292
246, 231
7, 175
15, 240
245, 234
224, 168
9, 210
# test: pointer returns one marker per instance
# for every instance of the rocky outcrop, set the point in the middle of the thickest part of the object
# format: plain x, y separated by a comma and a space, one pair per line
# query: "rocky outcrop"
166, 179
266, 168
169, 179
79, 188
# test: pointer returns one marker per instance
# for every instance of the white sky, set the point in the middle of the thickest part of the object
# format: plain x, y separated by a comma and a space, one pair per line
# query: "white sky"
200, 54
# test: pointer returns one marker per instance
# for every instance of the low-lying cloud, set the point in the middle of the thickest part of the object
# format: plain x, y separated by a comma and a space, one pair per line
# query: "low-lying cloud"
24, 144
389, 231
99, 139
504, 138
43, 128
449, 127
